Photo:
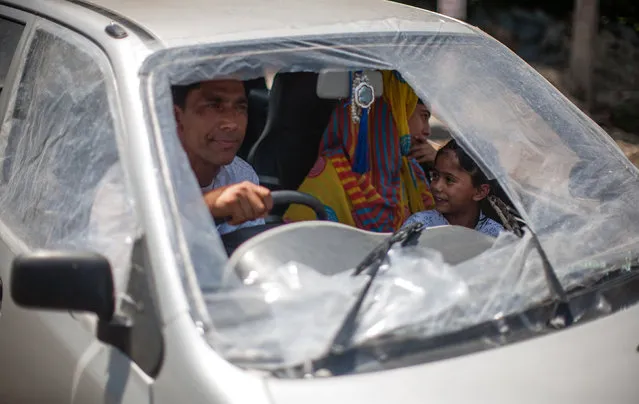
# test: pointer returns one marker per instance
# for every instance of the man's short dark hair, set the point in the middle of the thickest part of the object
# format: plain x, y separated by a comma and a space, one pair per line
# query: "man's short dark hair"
180, 93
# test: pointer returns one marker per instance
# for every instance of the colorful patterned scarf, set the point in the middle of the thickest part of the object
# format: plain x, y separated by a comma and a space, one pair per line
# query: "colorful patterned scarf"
394, 186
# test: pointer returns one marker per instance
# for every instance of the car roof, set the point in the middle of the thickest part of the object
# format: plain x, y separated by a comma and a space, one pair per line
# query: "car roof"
189, 22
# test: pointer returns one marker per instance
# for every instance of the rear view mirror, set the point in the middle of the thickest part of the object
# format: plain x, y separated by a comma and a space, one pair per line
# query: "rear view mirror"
75, 281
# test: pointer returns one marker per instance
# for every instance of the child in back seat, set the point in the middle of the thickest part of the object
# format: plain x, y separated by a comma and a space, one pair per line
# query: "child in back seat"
458, 187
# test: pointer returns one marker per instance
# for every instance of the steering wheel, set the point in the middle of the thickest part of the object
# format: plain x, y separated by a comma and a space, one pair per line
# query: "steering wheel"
299, 198
233, 239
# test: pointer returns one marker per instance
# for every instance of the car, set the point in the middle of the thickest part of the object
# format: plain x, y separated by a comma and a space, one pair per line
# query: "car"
144, 305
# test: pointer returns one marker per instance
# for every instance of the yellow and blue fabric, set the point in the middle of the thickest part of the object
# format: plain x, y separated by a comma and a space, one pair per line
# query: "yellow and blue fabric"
381, 192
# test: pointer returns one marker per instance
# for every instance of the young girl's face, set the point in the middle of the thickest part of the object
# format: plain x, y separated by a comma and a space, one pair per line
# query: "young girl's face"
453, 187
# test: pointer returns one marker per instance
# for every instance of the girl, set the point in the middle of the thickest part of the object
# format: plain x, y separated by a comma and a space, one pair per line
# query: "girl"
458, 187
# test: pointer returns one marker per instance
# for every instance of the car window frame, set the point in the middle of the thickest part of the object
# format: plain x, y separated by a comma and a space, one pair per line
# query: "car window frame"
8, 94
8, 97
147, 338
27, 20
22, 27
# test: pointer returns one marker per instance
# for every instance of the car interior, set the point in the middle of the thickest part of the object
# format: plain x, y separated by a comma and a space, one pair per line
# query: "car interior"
285, 127
288, 145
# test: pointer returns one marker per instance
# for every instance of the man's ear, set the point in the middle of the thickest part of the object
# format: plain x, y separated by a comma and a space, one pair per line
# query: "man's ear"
481, 192
178, 119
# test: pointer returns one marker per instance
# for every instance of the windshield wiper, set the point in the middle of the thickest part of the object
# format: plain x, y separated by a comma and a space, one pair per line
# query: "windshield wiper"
562, 316
341, 359
370, 265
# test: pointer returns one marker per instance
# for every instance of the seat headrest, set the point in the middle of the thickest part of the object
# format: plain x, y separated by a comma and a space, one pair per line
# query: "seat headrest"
335, 85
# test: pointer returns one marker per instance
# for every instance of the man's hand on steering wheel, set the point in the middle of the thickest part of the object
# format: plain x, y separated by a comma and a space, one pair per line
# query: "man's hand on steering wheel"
239, 203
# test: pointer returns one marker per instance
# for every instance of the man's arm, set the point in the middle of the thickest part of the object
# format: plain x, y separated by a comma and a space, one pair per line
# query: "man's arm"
239, 203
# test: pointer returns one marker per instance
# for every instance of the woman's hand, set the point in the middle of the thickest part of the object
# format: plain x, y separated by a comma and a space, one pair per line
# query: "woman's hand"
422, 151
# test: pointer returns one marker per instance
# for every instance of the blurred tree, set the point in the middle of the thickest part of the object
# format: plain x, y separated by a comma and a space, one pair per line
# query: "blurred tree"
452, 8
584, 33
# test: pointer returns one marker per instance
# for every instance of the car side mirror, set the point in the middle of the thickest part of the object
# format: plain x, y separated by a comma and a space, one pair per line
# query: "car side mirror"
54, 280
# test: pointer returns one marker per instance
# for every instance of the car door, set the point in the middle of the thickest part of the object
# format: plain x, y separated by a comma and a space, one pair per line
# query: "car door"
57, 143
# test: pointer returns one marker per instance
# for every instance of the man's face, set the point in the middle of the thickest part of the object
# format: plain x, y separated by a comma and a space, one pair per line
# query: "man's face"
212, 123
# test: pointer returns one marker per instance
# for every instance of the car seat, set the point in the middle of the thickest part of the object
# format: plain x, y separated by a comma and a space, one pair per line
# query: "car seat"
288, 146
300, 108
258, 99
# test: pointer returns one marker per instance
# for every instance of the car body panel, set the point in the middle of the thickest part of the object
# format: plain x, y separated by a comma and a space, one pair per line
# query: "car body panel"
591, 363
169, 21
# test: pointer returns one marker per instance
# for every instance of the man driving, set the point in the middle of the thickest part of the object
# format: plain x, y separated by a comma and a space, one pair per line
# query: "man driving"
211, 121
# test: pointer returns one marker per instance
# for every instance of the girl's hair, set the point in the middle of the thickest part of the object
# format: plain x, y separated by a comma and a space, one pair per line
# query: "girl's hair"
466, 162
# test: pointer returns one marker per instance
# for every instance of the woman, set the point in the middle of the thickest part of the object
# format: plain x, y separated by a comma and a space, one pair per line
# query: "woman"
419, 125
363, 175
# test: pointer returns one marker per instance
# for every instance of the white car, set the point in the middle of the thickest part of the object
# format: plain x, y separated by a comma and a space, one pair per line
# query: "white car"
143, 304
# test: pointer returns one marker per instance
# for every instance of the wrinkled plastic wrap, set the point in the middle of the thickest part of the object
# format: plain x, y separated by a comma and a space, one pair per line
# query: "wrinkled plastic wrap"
296, 310
412, 278
61, 184
566, 177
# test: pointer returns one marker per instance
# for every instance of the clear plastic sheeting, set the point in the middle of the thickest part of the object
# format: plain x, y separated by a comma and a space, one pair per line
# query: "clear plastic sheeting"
566, 177
413, 277
283, 317
59, 153
288, 316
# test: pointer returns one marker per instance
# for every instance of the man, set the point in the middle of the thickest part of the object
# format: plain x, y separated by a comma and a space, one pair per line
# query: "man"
211, 121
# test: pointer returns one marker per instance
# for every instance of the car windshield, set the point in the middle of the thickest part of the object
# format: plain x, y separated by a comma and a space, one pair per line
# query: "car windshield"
564, 176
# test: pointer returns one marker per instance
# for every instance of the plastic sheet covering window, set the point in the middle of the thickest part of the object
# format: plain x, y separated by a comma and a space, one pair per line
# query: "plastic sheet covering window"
568, 180
59, 153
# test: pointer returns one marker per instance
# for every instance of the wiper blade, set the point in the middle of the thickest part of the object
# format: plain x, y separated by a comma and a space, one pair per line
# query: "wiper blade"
370, 265
562, 316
